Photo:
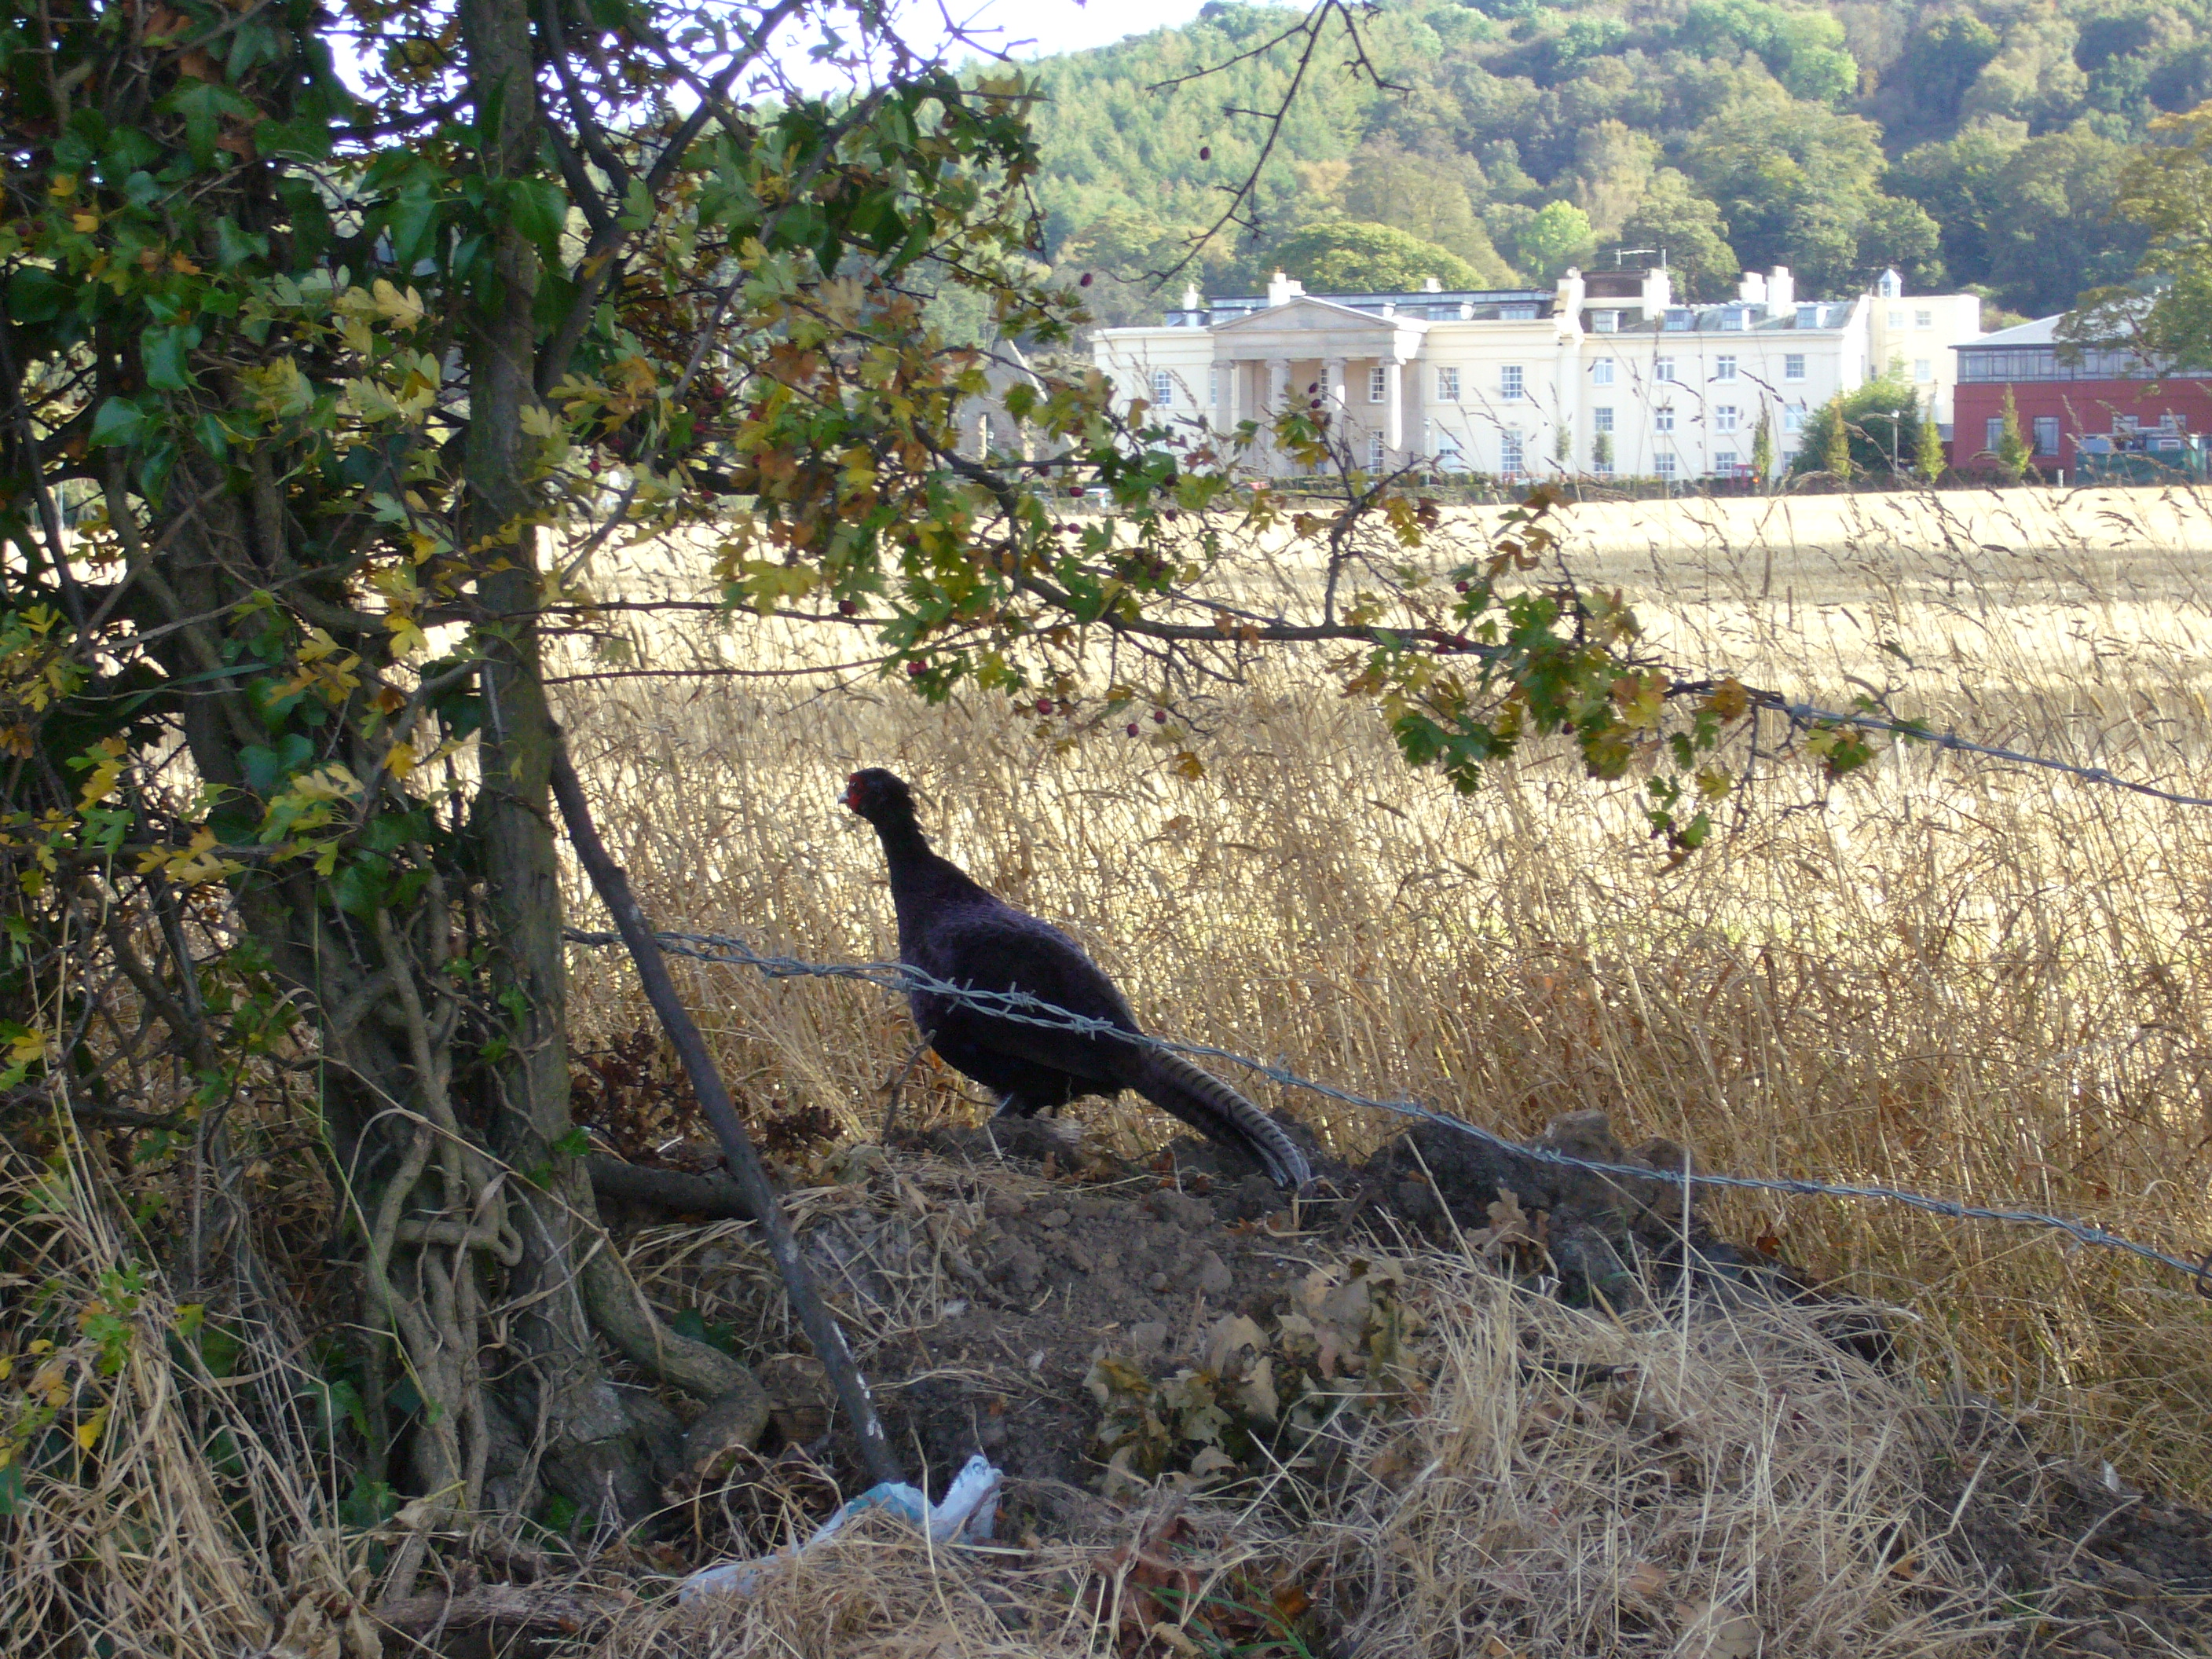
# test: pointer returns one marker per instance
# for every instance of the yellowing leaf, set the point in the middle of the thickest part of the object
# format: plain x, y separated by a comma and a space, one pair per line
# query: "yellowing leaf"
99, 782
407, 635
331, 782
89, 1431
1729, 700
404, 309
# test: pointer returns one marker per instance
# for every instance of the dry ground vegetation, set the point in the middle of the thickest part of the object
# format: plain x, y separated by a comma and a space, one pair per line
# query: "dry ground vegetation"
1959, 976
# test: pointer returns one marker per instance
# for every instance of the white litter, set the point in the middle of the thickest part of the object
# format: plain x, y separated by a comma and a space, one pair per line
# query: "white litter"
965, 1516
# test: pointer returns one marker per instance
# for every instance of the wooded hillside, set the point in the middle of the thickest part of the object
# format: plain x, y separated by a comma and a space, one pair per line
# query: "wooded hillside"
1971, 146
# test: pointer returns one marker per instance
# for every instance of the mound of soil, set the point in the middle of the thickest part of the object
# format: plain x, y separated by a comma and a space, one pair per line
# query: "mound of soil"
1080, 1255
2106, 1568
1051, 1258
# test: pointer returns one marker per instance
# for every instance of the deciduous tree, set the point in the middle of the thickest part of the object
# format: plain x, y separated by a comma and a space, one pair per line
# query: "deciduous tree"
298, 378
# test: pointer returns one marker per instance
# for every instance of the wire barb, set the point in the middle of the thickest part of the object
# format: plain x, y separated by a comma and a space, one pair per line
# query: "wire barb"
1020, 1006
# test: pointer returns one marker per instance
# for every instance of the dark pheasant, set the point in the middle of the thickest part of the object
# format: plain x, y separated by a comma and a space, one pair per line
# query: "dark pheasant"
954, 931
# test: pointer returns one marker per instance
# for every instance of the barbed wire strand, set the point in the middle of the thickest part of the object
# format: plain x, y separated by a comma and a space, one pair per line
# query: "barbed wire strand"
1806, 714
1028, 1009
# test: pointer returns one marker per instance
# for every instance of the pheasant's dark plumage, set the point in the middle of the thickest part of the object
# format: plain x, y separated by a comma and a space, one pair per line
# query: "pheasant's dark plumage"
954, 931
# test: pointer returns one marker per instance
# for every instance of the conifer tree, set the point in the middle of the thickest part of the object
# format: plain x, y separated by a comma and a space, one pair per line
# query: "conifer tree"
2012, 452
1835, 445
1927, 457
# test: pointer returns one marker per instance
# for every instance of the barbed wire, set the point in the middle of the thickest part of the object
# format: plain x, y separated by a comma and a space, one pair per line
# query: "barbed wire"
1806, 714
1025, 1009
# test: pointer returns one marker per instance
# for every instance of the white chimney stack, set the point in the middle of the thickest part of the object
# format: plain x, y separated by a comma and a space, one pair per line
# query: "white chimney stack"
1781, 289
1282, 289
1752, 289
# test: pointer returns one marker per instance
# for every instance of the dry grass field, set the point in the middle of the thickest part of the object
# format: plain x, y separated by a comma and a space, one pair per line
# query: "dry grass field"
1961, 976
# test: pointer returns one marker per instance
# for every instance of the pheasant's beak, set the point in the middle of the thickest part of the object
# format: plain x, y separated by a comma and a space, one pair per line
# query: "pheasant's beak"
852, 796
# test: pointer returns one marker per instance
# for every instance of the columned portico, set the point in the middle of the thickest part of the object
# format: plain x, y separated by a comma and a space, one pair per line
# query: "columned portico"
1302, 338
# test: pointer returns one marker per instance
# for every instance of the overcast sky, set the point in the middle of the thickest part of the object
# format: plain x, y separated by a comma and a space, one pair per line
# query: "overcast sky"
1020, 29
1031, 28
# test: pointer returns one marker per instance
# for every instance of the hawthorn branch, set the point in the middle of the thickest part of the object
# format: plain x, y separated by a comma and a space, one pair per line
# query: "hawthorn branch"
821, 1325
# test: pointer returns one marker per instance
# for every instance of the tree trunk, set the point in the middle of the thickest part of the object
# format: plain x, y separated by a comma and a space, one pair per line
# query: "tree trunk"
594, 1452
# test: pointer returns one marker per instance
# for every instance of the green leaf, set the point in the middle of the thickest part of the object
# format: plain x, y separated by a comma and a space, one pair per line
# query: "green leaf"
536, 207
35, 295
119, 422
414, 222
360, 886
268, 765
233, 247
164, 349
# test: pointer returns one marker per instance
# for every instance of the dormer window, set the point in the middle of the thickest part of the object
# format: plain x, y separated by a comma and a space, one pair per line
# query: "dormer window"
1680, 318
1605, 322
1518, 313
1808, 316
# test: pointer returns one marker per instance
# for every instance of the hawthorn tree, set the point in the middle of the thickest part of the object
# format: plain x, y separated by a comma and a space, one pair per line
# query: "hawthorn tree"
319, 397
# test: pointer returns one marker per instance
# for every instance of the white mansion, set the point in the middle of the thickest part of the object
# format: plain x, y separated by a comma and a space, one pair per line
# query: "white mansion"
1602, 375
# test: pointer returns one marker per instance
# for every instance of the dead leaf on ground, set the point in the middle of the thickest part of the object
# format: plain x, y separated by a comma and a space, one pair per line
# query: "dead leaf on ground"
1710, 1631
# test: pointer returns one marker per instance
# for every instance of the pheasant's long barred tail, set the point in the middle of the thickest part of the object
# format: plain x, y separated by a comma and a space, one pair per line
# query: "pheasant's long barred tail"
1175, 1085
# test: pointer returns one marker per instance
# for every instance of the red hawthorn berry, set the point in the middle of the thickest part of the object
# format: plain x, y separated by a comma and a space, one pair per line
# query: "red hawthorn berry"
847, 608
1159, 717
1459, 587
1077, 492
1044, 705
917, 669
1206, 152
1133, 729
1084, 281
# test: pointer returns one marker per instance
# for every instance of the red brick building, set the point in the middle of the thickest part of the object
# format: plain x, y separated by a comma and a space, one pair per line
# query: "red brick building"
2102, 413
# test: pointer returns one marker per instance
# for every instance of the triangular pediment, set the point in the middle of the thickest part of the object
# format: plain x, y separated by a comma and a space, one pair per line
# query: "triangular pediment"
1309, 314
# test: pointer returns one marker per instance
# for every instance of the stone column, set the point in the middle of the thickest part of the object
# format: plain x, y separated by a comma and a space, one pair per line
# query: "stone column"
1393, 410
1279, 394
1332, 386
1225, 374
